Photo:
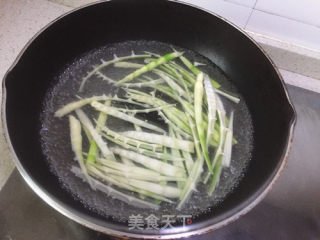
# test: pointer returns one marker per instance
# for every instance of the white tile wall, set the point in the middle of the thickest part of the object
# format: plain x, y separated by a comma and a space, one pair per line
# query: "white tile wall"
247, 3
307, 11
235, 13
296, 21
285, 29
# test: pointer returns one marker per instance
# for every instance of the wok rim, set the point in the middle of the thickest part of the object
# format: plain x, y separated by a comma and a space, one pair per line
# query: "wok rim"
71, 214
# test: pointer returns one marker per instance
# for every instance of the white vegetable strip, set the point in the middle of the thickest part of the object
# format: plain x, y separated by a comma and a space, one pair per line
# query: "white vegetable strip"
148, 153
142, 191
127, 161
228, 96
154, 164
82, 102
198, 110
107, 63
228, 143
128, 169
137, 128
211, 99
196, 64
222, 110
174, 114
191, 183
162, 140
143, 84
115, 180
127, 65
195, 137
76, 143
152, 53
77, 104
216, 175
131, 141
177, 70
186, 105
115, 193
138, 176
148, 67
110, 111
215, 84
166, 191
105, 78
76, 137
218, 151
171, 83
87, 133
128, 100
176, 153
207, 176
172, 125
182, 82
93, 149
187, 157
145, 110
167, 78
95, 135
155, 100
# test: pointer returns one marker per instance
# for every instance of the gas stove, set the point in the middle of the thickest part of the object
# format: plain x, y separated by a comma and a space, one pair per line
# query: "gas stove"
291, 211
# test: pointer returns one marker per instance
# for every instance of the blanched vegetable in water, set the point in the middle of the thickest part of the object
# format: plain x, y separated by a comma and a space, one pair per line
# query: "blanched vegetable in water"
159, 160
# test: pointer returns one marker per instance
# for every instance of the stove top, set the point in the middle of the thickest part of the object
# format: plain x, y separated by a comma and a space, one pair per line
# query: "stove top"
290, 211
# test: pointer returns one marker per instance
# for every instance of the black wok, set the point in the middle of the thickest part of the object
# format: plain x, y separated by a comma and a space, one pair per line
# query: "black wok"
69, 37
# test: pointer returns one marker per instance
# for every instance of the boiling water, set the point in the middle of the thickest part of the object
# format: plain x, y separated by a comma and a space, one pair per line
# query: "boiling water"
56, 140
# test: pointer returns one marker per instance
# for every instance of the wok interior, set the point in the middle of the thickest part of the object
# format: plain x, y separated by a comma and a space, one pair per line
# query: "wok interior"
174, 23
56, 130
